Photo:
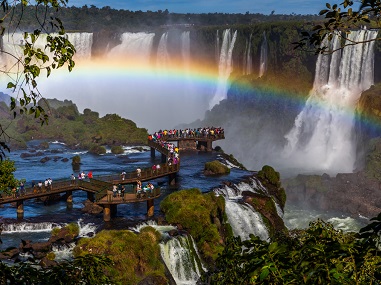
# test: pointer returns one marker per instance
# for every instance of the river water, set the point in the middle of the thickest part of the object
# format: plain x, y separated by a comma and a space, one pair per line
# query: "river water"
39, 219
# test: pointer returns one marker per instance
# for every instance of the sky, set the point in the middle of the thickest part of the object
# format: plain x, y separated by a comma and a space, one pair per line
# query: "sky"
211, 6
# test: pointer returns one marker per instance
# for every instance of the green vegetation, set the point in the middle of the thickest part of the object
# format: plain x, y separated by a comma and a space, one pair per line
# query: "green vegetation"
35, 59
343, 18
77, 130
317, 255
135, 256
198, 213
216, 168
117, 149
268, 174
7, 179
76, 159
97, 149
88, 269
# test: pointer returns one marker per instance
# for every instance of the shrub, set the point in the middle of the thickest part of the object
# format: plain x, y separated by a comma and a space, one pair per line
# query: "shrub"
76, 159
216, 167
117, 149
195, 212
268, 173
97, 149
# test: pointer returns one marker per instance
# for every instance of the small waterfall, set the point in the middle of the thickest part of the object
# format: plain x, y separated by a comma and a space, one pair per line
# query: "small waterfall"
63, 252
263, 58
28, 227
217, 47
179, 253
322, 139
242, 217
247, 60
185, 49
182, 259
225, 67
135, 47
82, 43
162, 57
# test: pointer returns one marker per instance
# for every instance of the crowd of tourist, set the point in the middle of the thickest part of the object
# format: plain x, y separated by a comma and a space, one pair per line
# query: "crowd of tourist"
208, 132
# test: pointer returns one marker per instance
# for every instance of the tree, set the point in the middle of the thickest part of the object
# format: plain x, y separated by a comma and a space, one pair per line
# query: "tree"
7, 179
26, 66
341, 20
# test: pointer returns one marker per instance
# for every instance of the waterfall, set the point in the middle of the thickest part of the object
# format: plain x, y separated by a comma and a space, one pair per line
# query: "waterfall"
28, 227
322, 139
179, 253
247, 60
135, 47
82, 43
225, 67
185, 49
182, 259
217, 47
242, 217
263, 59
162, 57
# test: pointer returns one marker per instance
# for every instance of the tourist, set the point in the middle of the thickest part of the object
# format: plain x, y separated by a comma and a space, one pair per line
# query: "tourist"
154, 168
83, 175
114, 190
90, 175
138, 172
22, 188
46, 185
50, 181
158, 168
72, 179
39, 186
79, 176
123, 175
119, 190
138, 189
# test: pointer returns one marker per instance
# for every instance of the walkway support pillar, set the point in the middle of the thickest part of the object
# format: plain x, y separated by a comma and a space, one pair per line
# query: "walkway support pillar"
90, 196
152, 152
172, 178
150, 207
106, 213
113, 208
209, 145
69, 197
20, 209
163, 158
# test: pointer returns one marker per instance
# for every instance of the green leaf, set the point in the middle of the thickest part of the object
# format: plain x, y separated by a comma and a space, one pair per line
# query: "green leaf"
11, 85
265, 272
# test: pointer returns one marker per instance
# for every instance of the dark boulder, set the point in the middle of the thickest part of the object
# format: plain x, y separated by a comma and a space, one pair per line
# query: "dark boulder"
91, 208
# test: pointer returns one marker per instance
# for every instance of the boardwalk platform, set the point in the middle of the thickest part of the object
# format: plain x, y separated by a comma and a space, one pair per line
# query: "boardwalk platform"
98, 188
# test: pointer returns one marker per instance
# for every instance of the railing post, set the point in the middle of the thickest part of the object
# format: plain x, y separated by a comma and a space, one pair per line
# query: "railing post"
20, 209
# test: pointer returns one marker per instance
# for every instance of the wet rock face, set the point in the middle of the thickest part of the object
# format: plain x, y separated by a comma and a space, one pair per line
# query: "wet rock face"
352, 193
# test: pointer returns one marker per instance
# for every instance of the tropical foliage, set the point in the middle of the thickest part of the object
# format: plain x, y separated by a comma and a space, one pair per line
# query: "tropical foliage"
27, 65
86, 269
341, 19
317, 255
7, 179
